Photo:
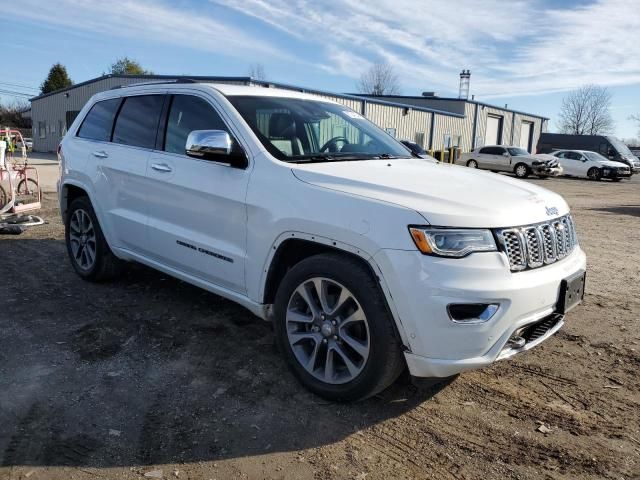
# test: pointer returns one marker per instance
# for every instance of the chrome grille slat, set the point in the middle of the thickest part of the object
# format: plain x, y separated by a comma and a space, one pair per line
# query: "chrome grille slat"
532, 246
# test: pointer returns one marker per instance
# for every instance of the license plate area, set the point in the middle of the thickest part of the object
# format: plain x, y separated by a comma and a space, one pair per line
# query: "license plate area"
571, 292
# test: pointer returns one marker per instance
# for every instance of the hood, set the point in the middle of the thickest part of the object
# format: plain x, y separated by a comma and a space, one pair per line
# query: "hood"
611, 163
444, 194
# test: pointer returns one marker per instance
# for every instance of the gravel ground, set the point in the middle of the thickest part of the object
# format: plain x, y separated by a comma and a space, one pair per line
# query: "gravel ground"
149, 377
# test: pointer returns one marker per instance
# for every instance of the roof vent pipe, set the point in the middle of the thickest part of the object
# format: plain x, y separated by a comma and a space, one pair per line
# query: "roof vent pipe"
465, 78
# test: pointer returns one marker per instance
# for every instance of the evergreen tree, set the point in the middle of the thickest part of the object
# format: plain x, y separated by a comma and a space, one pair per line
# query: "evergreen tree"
58, 78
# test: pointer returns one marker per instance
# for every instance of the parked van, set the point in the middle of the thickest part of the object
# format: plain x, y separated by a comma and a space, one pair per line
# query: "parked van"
607, 146
369, 261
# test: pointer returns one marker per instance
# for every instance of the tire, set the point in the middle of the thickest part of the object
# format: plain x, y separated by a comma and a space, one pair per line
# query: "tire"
472, 164
313, 345
543, 177
30, 185
87, 248
3, 197
594, 173
521, 170
616, 179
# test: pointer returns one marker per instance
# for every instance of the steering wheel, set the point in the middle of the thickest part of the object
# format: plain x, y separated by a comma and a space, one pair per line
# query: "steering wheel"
332, 145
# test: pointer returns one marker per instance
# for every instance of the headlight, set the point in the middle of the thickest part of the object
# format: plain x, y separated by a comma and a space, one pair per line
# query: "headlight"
452, 242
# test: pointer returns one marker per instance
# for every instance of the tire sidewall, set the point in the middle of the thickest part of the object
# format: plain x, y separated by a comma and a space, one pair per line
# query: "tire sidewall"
526, 170
377, 322
101, 245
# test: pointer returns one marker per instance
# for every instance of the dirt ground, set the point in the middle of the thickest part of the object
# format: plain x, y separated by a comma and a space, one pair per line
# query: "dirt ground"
149, 377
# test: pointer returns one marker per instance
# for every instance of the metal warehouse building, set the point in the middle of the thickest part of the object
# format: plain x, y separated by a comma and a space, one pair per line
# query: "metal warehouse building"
432, 122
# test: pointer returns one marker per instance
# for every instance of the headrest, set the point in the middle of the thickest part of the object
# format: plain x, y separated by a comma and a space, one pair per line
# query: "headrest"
282, 125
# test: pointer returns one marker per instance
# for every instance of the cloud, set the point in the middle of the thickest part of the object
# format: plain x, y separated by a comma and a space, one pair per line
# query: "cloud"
513, 48
148, 20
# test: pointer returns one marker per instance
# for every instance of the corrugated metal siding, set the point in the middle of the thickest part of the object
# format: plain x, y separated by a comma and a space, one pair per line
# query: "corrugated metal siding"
408, 126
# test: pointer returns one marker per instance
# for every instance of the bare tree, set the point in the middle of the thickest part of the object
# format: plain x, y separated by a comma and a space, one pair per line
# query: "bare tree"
12, 114
379, 80
586, 111
257, 72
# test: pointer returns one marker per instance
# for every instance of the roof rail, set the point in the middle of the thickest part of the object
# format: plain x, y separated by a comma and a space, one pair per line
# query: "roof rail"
156, 82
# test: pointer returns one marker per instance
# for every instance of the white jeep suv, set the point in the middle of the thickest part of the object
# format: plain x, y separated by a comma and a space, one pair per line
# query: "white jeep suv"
367, 260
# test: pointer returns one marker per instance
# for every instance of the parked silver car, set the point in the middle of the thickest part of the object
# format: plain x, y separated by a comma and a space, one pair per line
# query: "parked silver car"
501, 158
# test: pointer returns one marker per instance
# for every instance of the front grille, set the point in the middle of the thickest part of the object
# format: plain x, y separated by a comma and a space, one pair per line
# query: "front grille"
533, 246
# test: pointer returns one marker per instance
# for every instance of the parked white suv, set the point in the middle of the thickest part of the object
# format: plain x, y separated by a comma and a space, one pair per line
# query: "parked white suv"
367, 260
500, 158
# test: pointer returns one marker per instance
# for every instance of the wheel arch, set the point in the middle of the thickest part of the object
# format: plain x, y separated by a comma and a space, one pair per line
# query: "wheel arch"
294, 247
68, 193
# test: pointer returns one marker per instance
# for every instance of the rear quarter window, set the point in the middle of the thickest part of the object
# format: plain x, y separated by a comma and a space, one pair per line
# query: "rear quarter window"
98, 123
137, 122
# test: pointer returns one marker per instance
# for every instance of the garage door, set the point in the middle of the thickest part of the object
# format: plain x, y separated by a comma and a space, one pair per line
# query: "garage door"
493, 135
526, 135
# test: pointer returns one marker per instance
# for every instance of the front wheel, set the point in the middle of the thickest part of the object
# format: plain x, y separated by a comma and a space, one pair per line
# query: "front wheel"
521, 170
472, 164
594, 173
334, 329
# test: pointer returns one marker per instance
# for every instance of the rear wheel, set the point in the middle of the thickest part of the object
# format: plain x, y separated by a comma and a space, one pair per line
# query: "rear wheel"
88, 250
333, 327
521, 170
472, 164
616, 179
594, 173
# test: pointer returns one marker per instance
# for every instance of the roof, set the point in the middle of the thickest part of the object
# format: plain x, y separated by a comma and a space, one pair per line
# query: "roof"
249, 80
452, 99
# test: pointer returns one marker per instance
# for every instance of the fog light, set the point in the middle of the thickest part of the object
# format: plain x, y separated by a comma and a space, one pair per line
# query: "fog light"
472, 312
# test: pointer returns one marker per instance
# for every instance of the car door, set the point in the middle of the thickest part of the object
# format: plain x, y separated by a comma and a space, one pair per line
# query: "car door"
197, 210
574, 164
485, 158
565, 163
501, 159
122, 133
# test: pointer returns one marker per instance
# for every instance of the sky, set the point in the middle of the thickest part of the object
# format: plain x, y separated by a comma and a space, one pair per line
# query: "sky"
524, 53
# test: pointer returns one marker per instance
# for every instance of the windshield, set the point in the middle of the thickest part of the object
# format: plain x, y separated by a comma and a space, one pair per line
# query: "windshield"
596, 157
517, 152
298, 130
619, 146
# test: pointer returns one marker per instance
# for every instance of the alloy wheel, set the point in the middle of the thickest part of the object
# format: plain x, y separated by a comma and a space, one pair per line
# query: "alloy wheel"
521, 171
82, 237
327, 330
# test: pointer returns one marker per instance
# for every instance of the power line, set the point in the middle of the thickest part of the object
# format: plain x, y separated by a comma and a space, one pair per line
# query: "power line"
13, 93
19, 85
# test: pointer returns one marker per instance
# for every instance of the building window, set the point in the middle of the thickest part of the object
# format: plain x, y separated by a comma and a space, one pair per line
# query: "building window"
419, 138
62, 128
391, 131
42, 129
447, 141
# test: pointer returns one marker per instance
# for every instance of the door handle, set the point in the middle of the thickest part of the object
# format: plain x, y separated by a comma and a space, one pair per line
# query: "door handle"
100, 154
161, 167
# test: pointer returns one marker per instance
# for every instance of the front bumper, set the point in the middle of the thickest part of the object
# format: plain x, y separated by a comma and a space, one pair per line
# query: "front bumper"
421, 287
615, 173
547, 171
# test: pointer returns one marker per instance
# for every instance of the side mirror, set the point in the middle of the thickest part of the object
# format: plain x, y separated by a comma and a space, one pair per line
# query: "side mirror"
505, 154
215, 145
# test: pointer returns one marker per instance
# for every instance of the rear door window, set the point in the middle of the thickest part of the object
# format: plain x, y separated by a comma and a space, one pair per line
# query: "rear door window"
186, 114
98, 123
137, 122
